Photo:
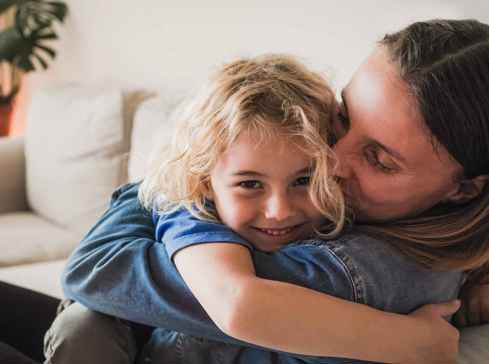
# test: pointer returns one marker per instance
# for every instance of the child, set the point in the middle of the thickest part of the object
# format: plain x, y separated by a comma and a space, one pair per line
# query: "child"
257, 134
250, 154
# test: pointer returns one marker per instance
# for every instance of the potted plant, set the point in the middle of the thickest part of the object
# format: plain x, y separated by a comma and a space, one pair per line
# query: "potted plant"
25, 27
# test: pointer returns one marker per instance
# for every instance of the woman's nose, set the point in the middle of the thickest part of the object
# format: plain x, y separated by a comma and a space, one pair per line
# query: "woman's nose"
279, 207
343, 168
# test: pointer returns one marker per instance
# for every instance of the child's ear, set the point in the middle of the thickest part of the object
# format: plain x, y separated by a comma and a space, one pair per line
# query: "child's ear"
468, 189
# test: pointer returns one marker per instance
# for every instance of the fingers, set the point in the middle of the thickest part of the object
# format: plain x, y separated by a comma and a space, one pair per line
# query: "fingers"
446, 308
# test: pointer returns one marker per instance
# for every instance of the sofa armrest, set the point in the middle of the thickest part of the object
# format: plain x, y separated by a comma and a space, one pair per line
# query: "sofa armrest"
12, 167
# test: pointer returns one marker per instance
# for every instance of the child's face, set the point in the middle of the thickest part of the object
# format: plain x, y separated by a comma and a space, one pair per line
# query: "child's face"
261, 192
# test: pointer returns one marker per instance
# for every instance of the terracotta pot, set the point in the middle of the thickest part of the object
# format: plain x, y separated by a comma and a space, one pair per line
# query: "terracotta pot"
6, 113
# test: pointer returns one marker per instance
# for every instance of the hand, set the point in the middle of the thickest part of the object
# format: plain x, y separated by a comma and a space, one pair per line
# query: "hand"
475, 307
442, 338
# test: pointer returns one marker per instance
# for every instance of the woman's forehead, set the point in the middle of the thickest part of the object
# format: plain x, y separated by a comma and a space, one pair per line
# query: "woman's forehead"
382, 110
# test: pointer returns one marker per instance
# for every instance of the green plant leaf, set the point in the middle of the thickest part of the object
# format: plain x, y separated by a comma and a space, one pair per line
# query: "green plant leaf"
43, 63
11, 43
23, 44
6, 4
34, 14
59, 10
26, 64
46, 36
51, 52
42, 21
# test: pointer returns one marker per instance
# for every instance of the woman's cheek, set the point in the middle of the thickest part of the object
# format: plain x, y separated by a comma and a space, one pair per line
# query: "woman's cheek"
371, 188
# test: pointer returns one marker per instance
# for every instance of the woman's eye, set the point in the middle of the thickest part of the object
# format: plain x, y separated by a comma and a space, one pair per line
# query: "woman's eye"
250, 185
372, 157
302, 181
343, 118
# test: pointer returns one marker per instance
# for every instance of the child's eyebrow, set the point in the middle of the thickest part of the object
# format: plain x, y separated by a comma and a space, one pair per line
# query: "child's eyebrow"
249, 173
306, 170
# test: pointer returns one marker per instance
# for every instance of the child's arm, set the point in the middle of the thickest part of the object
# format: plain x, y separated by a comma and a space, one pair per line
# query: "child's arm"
291, 318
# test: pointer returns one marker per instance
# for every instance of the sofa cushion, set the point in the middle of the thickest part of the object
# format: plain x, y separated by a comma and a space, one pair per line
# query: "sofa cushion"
474, 345
26, 238
76, 147
153, 122
44, 277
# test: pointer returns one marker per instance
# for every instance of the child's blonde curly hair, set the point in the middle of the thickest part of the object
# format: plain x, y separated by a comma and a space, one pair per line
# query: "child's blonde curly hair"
270, 95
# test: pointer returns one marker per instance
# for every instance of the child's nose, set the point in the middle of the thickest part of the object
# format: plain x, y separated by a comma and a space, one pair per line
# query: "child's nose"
279, 207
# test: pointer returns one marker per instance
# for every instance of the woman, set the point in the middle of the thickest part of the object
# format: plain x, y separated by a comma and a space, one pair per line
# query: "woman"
409, 115
436, 180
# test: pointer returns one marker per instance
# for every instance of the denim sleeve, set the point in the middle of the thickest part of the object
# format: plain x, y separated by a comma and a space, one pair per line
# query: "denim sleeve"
307, 263
120, 269
378, 274
179, 229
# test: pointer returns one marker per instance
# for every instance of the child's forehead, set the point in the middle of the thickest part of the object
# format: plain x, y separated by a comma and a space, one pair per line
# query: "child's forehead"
275, 138
277, 158
255, 147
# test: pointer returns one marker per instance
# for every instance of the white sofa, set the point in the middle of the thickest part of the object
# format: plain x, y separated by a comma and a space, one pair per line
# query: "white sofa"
80, 144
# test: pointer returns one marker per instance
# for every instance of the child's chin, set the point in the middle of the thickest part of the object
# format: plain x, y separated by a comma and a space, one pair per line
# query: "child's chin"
269, 246
265, 243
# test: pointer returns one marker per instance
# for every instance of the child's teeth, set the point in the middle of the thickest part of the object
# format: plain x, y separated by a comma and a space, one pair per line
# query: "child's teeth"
277, 232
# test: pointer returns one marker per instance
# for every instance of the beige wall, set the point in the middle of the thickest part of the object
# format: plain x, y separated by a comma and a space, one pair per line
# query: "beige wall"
170, 43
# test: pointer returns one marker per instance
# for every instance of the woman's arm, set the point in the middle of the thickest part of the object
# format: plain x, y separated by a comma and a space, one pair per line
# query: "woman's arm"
119, 269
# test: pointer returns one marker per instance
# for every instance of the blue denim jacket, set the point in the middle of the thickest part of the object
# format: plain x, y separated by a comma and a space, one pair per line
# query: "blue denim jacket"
120, 269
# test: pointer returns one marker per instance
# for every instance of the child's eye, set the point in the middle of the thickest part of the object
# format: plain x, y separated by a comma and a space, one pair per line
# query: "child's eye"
250, 185
302, 181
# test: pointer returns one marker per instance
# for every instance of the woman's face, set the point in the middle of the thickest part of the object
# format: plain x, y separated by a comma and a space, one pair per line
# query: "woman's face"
388, 166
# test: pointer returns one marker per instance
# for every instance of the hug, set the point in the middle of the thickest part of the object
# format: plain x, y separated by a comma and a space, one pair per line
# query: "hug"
282, 225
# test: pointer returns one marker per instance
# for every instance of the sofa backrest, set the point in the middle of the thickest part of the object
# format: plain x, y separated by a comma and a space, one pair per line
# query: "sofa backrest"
76, 144
153, 124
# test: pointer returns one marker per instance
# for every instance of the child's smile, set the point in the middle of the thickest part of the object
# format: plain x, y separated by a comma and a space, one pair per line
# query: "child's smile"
278, 232
270, 239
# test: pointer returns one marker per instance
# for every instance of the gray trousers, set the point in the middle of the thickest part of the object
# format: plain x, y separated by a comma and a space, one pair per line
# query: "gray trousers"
82, 336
